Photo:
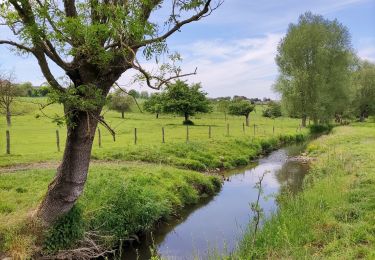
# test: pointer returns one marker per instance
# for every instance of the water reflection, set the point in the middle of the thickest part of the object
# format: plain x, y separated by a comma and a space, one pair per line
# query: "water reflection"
218, 223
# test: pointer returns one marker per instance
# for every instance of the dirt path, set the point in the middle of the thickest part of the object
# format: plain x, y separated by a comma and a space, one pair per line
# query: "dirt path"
48, 165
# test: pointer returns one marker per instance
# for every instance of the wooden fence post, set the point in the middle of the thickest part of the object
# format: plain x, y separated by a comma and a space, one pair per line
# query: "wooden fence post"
8, 141
135, 135
99, 138
58, 140
209, 132
162, 133
187, 133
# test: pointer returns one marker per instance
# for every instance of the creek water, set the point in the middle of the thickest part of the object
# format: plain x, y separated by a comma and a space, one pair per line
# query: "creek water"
217, 223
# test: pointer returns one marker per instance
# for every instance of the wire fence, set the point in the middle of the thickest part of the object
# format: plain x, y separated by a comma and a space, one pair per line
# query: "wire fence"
49, 140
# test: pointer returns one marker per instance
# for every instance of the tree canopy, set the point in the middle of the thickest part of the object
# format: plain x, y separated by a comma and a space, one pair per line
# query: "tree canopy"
364, 90
315, 60
241, 108
120, 102
185, 100
154, 104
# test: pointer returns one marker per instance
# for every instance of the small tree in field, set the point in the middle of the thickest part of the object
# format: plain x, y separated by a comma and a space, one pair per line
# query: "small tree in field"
241, 108
223, 106
185, 100
8, 92
273, 110
120, 102
154, 104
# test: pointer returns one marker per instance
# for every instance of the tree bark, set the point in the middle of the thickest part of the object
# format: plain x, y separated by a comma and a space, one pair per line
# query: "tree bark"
122, 114
247, 120
71, 175
303, 123
157, 115
186, 117
8, 117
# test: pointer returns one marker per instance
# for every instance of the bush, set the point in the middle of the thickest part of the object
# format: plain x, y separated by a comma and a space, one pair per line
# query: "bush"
320, 129
187, 122
65, 232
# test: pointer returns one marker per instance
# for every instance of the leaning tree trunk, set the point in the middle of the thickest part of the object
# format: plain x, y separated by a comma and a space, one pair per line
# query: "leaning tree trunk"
71, 175
247, 120
8, 117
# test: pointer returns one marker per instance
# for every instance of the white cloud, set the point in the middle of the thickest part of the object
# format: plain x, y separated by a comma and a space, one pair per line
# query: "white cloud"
238, 67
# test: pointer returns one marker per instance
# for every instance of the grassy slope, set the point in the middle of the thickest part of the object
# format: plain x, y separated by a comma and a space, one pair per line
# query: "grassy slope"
131, 195
119, 200
334, 216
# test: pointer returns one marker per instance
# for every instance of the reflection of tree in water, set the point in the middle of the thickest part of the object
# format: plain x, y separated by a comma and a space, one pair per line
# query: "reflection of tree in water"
291, 175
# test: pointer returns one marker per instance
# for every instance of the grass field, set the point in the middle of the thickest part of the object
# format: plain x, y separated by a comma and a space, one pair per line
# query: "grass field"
34, 139
333, 218
129, 185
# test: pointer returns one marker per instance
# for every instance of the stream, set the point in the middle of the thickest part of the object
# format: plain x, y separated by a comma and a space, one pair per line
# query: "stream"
217, 224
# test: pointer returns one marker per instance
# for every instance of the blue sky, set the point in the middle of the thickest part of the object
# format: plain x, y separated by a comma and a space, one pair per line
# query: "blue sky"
235, 47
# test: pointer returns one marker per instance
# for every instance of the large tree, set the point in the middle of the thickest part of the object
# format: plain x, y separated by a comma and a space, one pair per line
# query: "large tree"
364, 90
241, 108
314, 60
185, 100
94, 42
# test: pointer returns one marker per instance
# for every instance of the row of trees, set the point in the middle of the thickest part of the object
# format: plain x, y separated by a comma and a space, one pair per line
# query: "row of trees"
180, 98
320, 76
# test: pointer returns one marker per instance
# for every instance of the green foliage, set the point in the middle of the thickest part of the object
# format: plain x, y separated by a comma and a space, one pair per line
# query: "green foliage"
182, 99
315, 61
154, 104
120, 102
223, 106
65, 232
320, 129
273, 110
364, 87
241, 108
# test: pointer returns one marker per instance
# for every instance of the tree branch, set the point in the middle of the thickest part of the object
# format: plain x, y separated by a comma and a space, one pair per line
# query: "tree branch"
206, 9
17, 45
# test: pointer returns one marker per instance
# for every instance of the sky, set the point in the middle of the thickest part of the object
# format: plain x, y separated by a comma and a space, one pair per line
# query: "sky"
234, 48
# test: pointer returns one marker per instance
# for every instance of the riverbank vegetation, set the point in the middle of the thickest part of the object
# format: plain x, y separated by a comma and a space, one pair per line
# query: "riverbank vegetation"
334, 216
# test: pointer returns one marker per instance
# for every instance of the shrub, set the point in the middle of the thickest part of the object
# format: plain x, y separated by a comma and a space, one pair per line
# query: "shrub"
320, 129
65, 232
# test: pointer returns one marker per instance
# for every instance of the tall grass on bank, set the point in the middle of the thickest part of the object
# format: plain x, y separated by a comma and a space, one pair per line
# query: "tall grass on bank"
334, 216
118, 201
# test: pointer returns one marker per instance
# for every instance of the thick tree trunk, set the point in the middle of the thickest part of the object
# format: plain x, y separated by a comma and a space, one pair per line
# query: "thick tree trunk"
303, 123
8, 117
247, 120
71, 175
122, 114
157, 115
186, 117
